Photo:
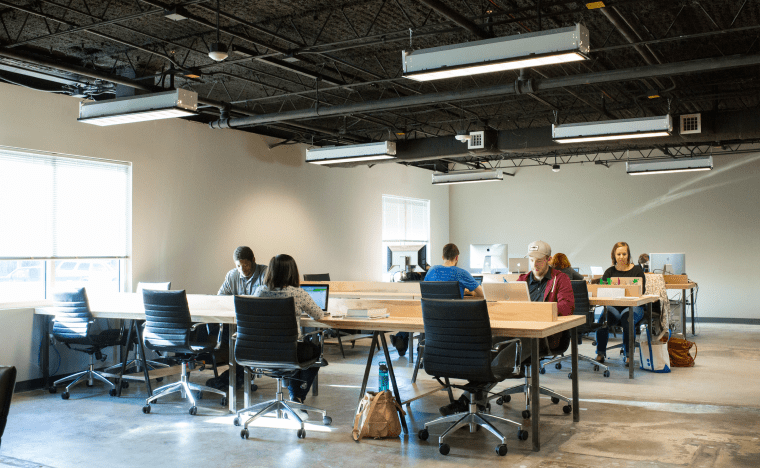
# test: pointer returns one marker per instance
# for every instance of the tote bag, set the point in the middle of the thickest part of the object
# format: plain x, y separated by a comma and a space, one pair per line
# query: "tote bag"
653, 353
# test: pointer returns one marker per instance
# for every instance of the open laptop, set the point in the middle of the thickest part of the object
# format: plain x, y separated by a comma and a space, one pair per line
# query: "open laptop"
597, 271
319, 292
518, 265
514, 291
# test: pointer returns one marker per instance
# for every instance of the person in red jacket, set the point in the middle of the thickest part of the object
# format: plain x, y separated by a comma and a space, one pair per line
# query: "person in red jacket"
547, 284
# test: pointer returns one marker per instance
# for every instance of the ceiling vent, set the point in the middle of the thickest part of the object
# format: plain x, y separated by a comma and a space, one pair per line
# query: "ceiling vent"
691, 123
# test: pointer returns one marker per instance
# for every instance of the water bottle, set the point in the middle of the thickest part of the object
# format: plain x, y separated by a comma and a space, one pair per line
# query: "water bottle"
382, 379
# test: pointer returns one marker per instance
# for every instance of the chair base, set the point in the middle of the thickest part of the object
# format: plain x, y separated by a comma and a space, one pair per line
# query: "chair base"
185, 387
581, 357
525, 388
90, 374
473, 418
280, 406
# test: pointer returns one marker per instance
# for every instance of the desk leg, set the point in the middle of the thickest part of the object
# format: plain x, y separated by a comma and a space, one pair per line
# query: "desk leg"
368, 367
683, 312
535, 395
574, 359
631, 341
232, 399
45, 351
392, 375
143, 358
691, 294
124, 358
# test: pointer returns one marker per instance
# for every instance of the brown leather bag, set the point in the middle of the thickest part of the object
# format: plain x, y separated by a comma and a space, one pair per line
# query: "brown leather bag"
678, 350
377, 417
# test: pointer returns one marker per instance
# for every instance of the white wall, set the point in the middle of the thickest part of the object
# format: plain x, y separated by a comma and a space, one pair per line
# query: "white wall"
584, 210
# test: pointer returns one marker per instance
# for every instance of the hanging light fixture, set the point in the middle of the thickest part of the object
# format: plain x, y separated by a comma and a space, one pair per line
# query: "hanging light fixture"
216, 50
352, 153
665, 166
623, 129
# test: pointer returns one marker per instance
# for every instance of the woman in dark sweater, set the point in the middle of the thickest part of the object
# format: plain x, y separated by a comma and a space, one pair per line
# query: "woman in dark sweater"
621, 267
561, 263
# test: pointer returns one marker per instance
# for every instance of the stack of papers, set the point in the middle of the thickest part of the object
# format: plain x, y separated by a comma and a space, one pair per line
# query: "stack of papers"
366, 314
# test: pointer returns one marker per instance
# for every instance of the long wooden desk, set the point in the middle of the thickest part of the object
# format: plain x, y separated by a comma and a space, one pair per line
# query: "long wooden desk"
627, 302
683, 288
404, 317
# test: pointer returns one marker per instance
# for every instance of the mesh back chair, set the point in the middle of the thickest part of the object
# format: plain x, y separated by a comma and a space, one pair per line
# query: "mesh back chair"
168, 328
582, 307
267, 344
459, 346
317, 277
432, 290
72, 326
545, 351
7, 384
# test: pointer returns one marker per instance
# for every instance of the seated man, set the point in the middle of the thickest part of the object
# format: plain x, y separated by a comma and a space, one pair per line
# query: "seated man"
449, 271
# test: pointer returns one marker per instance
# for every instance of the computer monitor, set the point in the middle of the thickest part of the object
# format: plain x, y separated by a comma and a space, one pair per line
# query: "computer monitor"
489, 258
319, 292
407, 257
668, 263
518, 265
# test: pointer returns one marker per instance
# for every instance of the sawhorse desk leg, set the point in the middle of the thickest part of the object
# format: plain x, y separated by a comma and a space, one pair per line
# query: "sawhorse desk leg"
232, 399
377, 338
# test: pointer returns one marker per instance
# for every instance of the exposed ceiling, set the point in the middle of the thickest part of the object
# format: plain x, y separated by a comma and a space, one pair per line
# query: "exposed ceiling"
290, 58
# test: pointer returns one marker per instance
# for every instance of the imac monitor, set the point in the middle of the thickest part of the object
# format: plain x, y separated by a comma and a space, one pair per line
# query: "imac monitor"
518, 265
489, 258
318, 292
668, 263
407, 257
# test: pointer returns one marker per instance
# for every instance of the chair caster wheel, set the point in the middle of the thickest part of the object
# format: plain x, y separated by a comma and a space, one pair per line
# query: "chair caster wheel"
236, 421
146, 409
254, 387
65, 395
570, 376
500, 401
193, 410
444, 449
555, 400
606, 373
501, 449
112, 392
160, 379
526, 414
558, 366
244, 434
52, 389
423, 434
593, 343
89, 385
542, 371
567, 409
301, 433
522, 435
326, 420
596, 368
200, 395
223, 401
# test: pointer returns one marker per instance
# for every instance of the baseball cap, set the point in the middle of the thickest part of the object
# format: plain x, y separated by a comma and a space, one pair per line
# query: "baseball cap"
539, 249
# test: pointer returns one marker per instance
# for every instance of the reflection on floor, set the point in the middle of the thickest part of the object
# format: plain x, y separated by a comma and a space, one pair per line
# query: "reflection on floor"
704, 416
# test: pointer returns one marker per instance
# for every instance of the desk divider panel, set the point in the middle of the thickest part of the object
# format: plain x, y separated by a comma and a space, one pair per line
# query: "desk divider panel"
631, 290
369, 286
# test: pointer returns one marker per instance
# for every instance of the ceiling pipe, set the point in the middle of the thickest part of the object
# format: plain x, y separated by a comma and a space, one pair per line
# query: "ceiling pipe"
693, 66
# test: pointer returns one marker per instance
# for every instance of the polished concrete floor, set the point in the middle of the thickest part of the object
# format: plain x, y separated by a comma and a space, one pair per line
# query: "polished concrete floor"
704, 416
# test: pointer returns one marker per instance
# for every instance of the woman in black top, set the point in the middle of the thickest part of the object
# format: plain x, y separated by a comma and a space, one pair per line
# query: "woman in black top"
621, 267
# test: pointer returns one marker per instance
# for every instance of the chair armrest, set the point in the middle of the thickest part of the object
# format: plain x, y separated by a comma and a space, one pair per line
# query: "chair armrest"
218, 338
518, 353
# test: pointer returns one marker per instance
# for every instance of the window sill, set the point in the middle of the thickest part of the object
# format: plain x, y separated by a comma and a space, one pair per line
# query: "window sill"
25, 304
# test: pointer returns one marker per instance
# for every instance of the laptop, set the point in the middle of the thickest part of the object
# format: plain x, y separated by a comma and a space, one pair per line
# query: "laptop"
318, 292
518, 265
478, 278
597, 271
515, 291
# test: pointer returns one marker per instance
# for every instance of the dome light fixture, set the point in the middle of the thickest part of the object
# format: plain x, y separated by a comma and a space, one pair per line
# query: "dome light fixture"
216, 50
555, 167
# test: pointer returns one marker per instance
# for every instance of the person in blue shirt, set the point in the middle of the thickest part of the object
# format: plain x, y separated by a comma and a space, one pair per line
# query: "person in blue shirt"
449, 271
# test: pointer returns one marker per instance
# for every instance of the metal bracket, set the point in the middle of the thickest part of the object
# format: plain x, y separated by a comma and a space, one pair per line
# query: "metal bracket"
524, 86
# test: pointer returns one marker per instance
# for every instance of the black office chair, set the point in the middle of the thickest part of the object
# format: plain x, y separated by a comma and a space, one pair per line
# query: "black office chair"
317, 277
431, 290
7, 385
168, 328
72, 326
267, 344
582, 307
545, 351
459, 346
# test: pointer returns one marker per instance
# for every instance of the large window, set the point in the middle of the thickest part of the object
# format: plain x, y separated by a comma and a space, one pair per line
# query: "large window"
405, 221
65, 221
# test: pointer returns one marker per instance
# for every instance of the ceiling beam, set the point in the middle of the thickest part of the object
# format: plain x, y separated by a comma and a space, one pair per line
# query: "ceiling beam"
456, 17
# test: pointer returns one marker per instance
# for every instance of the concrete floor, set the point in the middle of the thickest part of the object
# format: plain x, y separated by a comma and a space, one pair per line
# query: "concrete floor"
704, 416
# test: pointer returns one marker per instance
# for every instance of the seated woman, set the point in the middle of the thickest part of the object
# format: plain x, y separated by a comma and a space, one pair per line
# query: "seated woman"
621, 267
281, 280
560, 262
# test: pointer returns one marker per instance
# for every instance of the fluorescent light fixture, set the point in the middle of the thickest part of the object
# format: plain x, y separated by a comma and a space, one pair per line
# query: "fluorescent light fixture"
176, 103
561, 45
352, 153
466, 177
662, 166
625, 129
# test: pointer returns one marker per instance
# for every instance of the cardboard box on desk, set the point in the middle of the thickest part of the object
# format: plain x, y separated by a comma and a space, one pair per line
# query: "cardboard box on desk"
631, 290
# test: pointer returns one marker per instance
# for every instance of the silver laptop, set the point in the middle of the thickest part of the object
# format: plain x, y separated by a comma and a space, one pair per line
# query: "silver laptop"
514, 291
518, 265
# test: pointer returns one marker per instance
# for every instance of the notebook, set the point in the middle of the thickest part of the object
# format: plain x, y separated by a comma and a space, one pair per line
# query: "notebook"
319, 292
515, 291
